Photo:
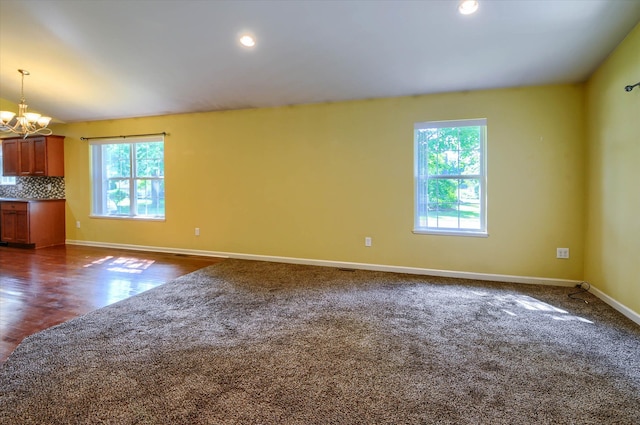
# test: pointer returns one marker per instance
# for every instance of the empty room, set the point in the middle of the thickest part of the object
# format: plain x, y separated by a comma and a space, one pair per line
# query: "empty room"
320, 212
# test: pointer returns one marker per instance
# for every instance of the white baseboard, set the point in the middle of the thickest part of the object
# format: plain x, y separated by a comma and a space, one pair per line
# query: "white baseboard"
148, 248
341, 264
626, 311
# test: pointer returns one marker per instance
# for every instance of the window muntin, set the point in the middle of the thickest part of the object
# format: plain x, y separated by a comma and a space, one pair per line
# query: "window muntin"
128, 178
450, 177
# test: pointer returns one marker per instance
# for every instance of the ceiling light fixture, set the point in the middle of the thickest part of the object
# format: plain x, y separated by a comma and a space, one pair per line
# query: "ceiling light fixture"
467, 7
26, 123
247, 41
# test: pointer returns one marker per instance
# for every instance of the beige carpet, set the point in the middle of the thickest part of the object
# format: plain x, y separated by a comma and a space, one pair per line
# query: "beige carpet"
245, 342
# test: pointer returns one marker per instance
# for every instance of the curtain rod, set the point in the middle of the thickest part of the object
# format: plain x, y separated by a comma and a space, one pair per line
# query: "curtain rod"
124, 137
630, 87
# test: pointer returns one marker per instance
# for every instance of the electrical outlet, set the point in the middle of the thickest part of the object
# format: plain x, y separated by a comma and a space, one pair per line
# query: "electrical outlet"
197, 231
367, 241
78, 224
562, 253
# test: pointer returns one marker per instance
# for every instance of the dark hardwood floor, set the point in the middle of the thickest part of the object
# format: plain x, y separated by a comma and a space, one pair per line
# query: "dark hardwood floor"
40, 288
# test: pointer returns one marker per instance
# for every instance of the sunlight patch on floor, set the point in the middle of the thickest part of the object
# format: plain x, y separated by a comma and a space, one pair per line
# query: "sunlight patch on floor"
122, 264
510, 304
120, 289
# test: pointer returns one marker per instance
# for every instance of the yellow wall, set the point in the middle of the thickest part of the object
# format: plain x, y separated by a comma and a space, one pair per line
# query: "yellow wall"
613, 197
312, 181
7, 105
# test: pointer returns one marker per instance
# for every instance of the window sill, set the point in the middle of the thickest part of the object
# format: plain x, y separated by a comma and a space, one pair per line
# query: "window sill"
126, 217
473, 233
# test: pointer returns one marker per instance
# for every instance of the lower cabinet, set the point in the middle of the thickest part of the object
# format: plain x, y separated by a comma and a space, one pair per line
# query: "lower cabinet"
14, 222
38, 223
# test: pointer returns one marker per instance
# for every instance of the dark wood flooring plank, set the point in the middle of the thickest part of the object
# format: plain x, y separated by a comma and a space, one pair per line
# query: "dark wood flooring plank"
40, 288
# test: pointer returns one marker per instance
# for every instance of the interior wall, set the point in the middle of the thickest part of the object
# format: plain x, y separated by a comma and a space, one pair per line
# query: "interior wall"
7, 105
312, 181
613, 197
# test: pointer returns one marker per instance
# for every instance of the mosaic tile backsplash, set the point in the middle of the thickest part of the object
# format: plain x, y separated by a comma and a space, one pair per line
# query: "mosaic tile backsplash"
34, 187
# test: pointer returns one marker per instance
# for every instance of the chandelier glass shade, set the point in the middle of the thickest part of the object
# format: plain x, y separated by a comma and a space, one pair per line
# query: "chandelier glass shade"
24, 123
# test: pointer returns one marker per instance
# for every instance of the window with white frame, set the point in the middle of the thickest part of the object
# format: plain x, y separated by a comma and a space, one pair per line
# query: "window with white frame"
5, 179
450, 177
128, 177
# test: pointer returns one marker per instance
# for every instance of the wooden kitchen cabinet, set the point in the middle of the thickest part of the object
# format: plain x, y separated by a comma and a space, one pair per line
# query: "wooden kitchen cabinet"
14, 223
10, 157
37, 223
33, 156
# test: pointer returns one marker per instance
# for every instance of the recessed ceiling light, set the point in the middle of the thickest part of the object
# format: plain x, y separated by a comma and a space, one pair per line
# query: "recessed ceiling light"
247, 41
467, 7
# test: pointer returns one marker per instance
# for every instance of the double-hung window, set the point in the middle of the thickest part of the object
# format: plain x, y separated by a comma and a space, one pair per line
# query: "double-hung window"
450, 177
128, 177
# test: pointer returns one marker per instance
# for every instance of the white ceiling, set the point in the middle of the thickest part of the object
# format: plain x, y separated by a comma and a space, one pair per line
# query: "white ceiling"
100, 59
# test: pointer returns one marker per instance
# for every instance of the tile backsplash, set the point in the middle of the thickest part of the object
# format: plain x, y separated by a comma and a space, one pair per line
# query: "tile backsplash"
34, 187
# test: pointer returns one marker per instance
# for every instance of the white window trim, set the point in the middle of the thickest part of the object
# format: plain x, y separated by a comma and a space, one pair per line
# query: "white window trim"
482, 232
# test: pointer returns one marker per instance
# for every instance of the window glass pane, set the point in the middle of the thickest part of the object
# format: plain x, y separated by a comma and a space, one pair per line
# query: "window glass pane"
150, 159
444, 216
469, 191
469, 216
449, 163
469, 201
433, 141
442, 191
470, 150
117, 158
454, 203
433, 161
118, 201
469, 162
432, 214
150, 197
470, 138
449, 138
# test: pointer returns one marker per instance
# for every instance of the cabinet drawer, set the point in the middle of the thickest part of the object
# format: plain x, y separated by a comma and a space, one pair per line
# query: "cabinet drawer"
13, 206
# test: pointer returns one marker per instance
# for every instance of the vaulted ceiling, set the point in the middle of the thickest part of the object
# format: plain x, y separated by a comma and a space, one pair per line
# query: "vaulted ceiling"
110, 59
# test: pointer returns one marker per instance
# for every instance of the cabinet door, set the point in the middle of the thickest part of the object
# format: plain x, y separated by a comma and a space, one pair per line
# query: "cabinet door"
10, 157
40, 159
22, 227
8, 225
14, 222
25, 157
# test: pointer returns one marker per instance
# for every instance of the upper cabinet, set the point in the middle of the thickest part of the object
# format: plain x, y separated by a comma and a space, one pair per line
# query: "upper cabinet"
33, 156
10, 157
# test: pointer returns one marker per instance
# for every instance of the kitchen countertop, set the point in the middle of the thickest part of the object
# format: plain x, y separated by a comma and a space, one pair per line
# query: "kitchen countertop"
28, 199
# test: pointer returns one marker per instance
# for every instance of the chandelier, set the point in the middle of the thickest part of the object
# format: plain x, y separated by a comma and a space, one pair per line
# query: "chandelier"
25, 123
